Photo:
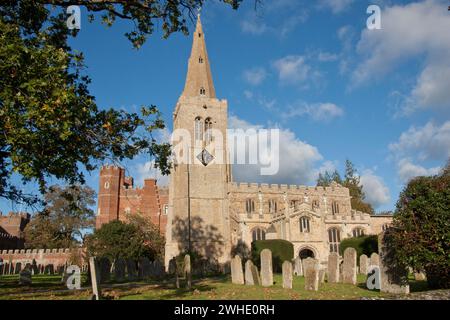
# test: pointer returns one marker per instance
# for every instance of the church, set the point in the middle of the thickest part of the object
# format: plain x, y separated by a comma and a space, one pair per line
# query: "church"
204, 211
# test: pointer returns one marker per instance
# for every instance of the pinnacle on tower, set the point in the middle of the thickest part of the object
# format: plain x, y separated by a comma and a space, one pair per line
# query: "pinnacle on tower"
199, 79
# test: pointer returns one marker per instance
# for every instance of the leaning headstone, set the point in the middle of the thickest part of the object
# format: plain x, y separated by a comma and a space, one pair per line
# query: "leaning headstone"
266, 268
255, 275
298, 267
95, 280
363, 264
119, 269
131, 270
237, 276
333, 267
349, 269
248, 273
394, 278
287, 274
187, 270
25, 277
374, 259
312, 277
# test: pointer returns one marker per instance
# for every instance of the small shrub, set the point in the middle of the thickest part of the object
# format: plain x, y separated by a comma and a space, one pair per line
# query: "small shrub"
363, 245
282, 250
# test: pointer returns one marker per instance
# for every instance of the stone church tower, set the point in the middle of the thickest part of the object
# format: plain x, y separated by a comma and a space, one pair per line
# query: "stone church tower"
198, 217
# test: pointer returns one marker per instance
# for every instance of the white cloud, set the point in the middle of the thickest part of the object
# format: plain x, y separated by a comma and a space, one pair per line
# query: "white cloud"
147, 170
294, 70
323, 112
253, 26
327, 57
255, 76
414, 30
408, 170
336, 6
377, 193
430, 142
297, 164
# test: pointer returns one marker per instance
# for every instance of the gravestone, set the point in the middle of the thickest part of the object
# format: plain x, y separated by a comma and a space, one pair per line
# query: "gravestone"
187, 271
333, 267
105, 270
309, 263
266, 268
25, 277
374, 259
119, 269
144, 268
95, 279
349, 268
312, 276
363, 264
34, 267
173, 270
237, 276
287, 274
158, 268
322, 272
249, 278
131, 270
255, 274
394, 278
298, 267
17, 268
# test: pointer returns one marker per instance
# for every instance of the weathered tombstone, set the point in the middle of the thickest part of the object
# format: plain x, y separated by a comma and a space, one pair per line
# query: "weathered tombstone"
363, 264
73, 280
255, 274
287, 274
173, 270
249, 279
34, 267
237, 276
25, 277
322, 272
119, 269
374, 259
298, 267
144, 268
349, 269
419, 276
266, 268
187, 270
105, 269
394, 278
131, 270
158, 268
333, 267
95, 281
309, 263
18, 268
312, 276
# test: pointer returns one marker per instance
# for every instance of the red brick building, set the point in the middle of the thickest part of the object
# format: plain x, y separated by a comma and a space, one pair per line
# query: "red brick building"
118, 197
12, 226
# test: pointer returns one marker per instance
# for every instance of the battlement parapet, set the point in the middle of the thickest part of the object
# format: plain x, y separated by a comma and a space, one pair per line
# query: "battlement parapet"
334, 189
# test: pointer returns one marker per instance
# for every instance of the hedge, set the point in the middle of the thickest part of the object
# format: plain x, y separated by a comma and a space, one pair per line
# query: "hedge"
363, 245
282, 250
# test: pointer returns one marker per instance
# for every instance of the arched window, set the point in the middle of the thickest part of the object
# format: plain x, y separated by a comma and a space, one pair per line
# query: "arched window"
315, 204
202, 91
272, 206
208, 130
250, 206
258, 234
335, 207
304, 225
198, 129
106, 185
200, 59
334, 238
357, 232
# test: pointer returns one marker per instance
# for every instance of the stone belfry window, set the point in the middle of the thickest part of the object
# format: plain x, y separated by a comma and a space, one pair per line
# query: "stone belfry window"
202, 91
200, 60
198, 129
208, 130
272, 206
249, 206
335, 207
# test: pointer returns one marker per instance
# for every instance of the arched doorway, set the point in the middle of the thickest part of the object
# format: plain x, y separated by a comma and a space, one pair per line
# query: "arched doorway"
306, 253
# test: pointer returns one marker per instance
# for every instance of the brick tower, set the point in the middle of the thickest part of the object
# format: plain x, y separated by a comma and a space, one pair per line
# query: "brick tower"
198, 217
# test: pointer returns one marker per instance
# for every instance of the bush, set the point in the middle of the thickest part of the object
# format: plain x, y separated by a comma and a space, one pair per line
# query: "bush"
421, 228
282, 250
363, 245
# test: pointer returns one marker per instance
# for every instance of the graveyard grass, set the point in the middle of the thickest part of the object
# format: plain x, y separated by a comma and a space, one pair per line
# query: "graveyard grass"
49, 287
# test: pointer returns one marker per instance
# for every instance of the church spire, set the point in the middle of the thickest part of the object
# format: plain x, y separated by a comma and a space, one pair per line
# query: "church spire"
199, 79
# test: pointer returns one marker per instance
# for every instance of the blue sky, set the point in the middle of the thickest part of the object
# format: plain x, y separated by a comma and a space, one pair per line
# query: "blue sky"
336, 90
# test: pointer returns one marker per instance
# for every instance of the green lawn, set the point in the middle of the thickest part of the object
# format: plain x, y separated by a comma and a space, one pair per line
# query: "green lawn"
50, 287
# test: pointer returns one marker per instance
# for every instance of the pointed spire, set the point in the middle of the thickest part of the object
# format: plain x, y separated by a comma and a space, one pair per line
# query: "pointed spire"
199, 79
